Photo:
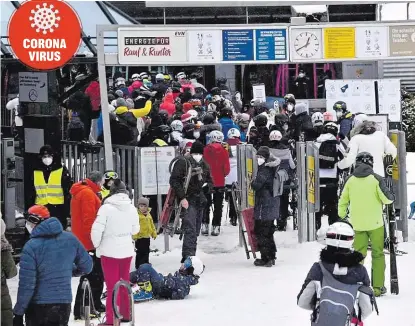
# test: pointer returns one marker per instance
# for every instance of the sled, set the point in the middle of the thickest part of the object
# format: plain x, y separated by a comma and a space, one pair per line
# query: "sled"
248, 217
168, 208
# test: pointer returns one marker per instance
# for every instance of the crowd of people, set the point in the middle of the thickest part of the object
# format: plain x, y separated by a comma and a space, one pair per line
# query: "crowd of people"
107, 230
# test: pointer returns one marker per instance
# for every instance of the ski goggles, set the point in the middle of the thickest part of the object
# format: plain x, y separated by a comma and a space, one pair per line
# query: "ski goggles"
110, 175
341, 237
32, 218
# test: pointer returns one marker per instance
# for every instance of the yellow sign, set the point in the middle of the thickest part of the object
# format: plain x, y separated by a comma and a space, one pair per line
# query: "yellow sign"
311, 198
395, 170
339, 43
250, 171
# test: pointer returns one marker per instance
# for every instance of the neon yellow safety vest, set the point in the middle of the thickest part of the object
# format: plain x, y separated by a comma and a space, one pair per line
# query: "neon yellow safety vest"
51, 192
104, 193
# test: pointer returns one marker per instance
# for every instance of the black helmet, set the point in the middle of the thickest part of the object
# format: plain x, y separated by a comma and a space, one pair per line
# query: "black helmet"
226, 112
163, 130
281, 119
340, 105
365, 157
164, 115
208, 119
215, 91
188, 130
260, 120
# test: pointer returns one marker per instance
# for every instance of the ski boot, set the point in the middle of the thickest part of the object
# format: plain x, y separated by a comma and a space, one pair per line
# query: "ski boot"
205, 229
233, 222
142, 291
380, 291
215, 231
282, 225
263, 263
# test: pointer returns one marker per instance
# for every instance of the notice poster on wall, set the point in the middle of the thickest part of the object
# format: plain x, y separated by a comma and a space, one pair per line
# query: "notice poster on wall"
154, 174
390, 98
205, 46
371, 42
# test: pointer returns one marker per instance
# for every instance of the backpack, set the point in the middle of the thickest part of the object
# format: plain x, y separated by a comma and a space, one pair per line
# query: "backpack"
328, 154
280, 177
335, 302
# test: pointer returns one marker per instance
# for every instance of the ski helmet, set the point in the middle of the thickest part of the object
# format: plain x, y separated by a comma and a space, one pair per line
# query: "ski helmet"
359, 118
328, 116
215, 91
195, 263
340, 235
186, 117
281, 119
135, 77
331, 128
143, 75
244, 117
216, 136
208, 119
193, 113
110, 175
119, 82
289, 96
340, 106
36, 214
317, 119
226, 112
365, 157
159, 77
181, 75
176, 125
234, 133
275, 135
188, 130
260, 120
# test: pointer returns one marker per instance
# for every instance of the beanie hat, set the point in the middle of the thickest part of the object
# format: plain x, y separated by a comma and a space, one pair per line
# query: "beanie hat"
143, 201
46, 150
264, 152
119, 93
130, 103
118, 187
95, 176
197, 148
120, 102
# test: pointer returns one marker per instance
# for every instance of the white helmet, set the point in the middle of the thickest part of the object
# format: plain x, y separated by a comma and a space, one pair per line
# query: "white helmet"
196, 263
143, 75
234, 133
176, 125
181, 75
119, 81
216, 136
275, 135
193, 113
359, 118
317, 119
159, 77
135, 77
340, 235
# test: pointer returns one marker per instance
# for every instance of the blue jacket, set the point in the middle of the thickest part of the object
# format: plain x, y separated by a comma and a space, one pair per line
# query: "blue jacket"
48, 261
227, 123
100, 125
345, 125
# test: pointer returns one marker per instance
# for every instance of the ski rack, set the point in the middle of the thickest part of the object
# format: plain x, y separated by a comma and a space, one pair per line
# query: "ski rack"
117, 315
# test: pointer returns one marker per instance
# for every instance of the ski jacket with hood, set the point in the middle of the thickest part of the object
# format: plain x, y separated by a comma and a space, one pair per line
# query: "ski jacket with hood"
168, 104
330, 173
116, 223
345, 124
84, 207
363, 196
48, 261
301, 123
94, 95
344, 267
217, 157
368, 139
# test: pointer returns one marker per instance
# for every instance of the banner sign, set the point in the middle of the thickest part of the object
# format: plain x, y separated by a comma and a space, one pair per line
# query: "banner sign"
238, 45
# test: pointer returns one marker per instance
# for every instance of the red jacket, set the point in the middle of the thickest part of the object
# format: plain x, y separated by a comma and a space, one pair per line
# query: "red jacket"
84, 208
218, 159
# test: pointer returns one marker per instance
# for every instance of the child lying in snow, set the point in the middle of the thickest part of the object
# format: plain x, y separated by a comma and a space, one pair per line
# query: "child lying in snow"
148, 284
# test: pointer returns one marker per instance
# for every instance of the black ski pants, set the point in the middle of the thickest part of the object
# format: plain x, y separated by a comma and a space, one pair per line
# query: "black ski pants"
232, 209
142, 252
96, 281
217, 199
56, 314
264, 232
328, 202
191, 224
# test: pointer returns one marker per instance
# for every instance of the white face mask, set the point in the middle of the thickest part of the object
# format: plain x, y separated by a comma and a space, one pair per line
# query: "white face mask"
237, 96
29, 228
196, 134
301, 75
47, 160
290, 107
285, 127
339, 114
197, 157
261, 161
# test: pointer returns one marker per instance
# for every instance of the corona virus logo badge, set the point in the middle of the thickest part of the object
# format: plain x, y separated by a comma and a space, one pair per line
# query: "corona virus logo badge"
45, 18
45, 34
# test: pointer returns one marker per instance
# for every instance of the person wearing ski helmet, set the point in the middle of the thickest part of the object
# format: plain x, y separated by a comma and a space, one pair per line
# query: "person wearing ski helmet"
337, 262
217, 157
176, 136
109, 177
261, 136
330, 153
289, 104
188, 135
160, 86
362, 200
149, 284
282, 125
317, 119
282, 151
234, 137
367, 138
209, 124
358, 119
162, 136
226, 121
344, 119
243, 124
193, 200
47, 263
51, 184
301, 122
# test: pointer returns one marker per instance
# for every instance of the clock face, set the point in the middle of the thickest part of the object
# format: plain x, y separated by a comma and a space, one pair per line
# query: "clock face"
307, 44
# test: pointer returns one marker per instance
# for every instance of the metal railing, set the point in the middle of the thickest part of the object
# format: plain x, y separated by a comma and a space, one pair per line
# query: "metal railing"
117, 315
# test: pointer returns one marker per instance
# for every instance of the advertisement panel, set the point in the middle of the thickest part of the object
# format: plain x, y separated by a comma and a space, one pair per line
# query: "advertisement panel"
142, 46
402, 41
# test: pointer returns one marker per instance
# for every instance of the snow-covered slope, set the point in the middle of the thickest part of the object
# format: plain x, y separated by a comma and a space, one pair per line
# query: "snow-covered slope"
234, 292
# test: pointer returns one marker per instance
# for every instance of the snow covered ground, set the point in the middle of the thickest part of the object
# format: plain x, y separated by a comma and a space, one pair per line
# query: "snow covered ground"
233, 291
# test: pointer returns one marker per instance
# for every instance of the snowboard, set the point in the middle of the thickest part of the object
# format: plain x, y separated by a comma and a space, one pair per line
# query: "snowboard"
248, 217
391, 220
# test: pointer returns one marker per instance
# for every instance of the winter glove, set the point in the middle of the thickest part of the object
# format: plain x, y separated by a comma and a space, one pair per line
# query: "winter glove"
18, 320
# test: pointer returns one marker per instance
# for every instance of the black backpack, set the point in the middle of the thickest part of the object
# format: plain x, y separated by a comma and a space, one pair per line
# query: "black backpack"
328, 154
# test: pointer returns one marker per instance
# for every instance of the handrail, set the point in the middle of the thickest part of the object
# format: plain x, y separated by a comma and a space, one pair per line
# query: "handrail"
117, 315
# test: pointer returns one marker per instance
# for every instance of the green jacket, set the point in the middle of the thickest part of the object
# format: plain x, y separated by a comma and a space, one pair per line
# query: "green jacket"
364, 195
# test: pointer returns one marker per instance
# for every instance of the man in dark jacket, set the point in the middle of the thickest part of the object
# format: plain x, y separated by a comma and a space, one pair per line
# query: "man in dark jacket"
193, 200
344, 119
48, 261
51, 184
301, 122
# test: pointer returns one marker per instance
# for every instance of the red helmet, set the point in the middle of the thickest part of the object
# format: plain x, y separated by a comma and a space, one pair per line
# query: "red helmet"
37, 213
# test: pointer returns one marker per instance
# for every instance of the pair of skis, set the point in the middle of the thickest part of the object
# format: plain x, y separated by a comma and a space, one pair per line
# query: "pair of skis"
391, 224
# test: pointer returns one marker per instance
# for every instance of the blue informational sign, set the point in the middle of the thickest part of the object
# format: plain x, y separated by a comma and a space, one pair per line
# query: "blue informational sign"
238, 45
271, 44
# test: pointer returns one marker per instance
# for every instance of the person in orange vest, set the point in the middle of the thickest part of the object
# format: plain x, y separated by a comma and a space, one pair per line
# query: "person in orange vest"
51, 184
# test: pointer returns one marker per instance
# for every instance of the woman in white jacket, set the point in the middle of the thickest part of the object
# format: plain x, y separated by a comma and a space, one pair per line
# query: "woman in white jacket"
111, 235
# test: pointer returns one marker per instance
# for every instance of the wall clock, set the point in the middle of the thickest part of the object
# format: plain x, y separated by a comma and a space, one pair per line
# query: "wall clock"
306, 44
